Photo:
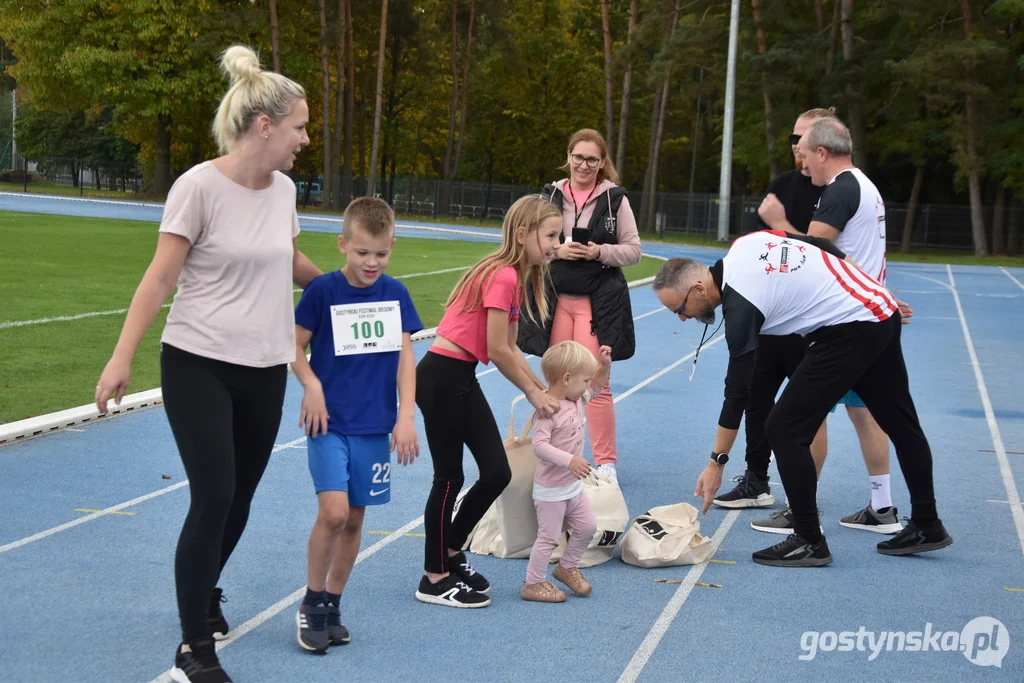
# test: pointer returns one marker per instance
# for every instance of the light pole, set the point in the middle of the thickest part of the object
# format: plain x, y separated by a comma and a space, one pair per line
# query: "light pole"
730, 97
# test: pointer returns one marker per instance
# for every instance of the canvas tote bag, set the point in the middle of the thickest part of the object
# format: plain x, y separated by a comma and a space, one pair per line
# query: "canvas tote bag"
612, 515
666, 536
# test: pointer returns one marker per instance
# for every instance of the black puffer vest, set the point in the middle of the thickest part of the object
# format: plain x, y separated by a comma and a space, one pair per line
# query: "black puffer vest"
605, 285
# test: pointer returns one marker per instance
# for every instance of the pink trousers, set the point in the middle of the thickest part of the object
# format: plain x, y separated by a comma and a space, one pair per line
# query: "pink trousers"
572, 321
550, 516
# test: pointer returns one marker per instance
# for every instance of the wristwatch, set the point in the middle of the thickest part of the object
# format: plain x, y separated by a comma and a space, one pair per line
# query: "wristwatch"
720, 458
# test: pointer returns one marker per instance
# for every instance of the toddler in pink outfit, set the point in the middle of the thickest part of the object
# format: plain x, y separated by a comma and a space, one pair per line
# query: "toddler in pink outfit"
574, 378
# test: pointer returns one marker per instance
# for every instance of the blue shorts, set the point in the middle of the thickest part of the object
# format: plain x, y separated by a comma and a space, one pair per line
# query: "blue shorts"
851, 399
360, 465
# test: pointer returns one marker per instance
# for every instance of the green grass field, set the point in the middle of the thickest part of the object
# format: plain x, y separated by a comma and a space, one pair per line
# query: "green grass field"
52, 266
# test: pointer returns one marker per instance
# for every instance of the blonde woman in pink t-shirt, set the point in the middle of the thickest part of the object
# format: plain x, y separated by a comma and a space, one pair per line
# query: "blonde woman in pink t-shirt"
588, 291
228, 242
480, 324
574, 378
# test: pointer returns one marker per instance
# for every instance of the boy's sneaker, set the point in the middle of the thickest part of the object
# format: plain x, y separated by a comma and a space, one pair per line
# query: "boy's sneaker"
779, 522
914, 539
459, 565
197, 662
337, 634
750, 492
450, 592
883, 521
311, 628
795, 551
218, 624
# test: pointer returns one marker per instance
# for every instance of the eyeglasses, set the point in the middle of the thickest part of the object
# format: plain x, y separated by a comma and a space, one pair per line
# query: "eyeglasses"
591, 162
795, 139
679, 311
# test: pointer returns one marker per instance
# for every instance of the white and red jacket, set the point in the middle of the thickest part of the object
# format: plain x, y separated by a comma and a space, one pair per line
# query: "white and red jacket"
779, 283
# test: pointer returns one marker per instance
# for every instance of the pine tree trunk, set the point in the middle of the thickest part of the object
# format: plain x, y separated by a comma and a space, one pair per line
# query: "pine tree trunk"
162, 172
370, 186
339, 110
769, 127
326, 186
350, 101
463, 107
609, 94
819, 15
273, 37
648, 190
998, 222
833, 39
1013, 230
856, 114
449, 150
627, 88
915, 195
973, 163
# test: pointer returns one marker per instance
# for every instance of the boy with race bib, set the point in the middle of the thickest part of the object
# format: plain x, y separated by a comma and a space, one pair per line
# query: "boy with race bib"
359, 325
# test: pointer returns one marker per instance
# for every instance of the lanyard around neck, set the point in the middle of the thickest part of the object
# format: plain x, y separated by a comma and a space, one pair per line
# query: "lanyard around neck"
578, 211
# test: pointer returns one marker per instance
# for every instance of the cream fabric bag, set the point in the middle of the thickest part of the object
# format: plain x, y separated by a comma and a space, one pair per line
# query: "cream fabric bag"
666, 536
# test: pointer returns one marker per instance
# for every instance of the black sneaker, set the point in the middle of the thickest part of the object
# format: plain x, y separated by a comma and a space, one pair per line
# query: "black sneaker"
337, 634
197, 662
779, 522
750, 492
795, 551
450, 592
218, 624
311, 628
914, 539
459, 565
884, 521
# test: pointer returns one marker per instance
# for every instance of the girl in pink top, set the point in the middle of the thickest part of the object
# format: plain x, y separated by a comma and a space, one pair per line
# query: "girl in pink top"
228, 243
480, 324
588, 291
575, 378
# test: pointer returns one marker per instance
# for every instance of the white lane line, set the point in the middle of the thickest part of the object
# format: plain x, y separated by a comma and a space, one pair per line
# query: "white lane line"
65, 318
668, 615
283, 604
1010, 275
114, 508
286, 602
1012, 496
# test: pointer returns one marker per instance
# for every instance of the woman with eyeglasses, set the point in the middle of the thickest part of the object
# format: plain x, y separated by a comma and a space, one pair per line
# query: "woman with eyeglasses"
588, 291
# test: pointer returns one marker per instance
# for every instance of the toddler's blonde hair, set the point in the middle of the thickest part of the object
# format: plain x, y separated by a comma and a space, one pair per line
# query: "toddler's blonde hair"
568, 356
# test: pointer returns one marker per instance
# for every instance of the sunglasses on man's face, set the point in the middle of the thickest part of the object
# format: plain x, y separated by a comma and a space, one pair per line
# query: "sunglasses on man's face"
794, 139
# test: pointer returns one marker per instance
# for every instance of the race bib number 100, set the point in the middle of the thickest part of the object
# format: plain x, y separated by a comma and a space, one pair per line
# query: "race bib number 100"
367, 328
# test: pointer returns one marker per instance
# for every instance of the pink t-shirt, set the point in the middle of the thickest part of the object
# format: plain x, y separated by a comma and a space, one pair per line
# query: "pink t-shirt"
468, 329
234, 301
556, 440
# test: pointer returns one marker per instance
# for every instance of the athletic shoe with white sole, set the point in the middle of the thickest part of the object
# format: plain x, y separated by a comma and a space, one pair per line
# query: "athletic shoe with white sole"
608, 471
197, 662
337, 634
459, 565
914, 539
450, 591
779, 522
218, 624
882, 521
795, 551
750, 492
311, 628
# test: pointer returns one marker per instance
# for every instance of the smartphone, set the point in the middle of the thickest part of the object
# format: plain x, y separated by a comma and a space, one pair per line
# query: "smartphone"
581, 235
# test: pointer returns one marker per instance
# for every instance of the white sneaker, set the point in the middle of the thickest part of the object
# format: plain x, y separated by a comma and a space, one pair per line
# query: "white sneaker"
607, 470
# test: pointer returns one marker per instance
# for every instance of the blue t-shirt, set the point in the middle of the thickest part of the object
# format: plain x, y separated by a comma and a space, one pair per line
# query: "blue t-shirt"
361, 390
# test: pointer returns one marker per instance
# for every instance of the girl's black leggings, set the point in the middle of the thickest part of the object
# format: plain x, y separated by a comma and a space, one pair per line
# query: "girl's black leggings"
456, 414
225, 419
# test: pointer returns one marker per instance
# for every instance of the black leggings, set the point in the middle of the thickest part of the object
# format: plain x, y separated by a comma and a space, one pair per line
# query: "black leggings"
225, 419
777, 359
866, 357
456, 414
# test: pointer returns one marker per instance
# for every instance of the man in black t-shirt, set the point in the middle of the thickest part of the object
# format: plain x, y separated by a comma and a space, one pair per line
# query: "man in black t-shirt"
777, 356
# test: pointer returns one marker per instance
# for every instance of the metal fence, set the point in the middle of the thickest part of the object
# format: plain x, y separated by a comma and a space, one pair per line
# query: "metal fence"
940, 226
